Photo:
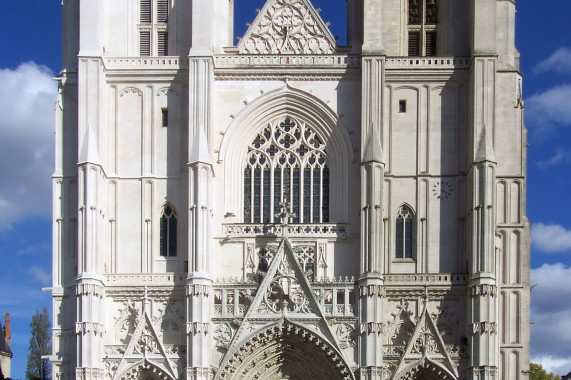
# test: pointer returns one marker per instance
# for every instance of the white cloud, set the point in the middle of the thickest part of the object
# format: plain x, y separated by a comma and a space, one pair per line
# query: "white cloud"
40, 275
550, 238
550, 310
556, 365
559, 61
27, 98
561, 156
545, 110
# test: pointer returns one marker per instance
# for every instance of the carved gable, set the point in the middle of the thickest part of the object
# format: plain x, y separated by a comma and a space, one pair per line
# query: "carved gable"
284, 304
287, 27
426, 346
145, 350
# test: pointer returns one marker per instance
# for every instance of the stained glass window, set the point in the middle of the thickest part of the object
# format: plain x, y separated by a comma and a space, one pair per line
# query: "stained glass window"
286, 161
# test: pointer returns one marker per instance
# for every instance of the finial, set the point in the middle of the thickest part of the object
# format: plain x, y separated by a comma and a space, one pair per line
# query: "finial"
284, 215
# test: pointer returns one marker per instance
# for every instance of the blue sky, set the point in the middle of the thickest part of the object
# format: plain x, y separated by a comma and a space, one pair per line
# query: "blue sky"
31, 57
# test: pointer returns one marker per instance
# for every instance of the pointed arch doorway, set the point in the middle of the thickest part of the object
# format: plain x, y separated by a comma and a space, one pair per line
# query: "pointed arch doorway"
285, 350
425, 369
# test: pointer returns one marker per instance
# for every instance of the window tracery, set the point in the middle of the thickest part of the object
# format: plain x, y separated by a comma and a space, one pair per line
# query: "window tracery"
404, 233
306, 258
168, 232
286, 161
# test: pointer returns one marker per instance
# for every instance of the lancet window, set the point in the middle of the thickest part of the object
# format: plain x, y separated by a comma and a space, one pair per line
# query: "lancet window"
286, 162
153, 27
168, 233
422, 25
404, 233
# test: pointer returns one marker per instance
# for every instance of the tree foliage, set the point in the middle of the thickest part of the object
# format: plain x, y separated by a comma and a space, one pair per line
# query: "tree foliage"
538, 373
40, 345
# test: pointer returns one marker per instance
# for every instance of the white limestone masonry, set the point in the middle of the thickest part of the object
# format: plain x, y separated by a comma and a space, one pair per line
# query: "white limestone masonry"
287, 208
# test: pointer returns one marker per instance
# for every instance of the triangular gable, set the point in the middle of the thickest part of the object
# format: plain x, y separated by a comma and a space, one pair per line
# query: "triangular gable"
287, 27
426, 343
285, 292
145, 347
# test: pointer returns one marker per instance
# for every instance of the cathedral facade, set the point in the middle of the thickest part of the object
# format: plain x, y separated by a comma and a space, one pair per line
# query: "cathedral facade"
286, 207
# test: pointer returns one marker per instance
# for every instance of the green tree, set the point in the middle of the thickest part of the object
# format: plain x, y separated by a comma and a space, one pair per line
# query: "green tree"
40, 345
536, 372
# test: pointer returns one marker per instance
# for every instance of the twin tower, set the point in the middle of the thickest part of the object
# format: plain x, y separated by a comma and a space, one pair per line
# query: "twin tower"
286, 207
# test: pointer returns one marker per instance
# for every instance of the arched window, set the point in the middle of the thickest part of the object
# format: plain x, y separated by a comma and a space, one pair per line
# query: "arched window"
287, 161
167, 231
422, 25
404, 233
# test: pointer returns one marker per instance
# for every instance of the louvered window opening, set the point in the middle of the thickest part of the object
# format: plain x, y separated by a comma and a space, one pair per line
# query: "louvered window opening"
286, 162
422, 26
153, 27
404, 234
168, 232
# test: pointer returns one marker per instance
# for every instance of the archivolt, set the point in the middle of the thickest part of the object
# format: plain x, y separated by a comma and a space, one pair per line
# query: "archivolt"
145, 370
285, 350
286, 101
424, 369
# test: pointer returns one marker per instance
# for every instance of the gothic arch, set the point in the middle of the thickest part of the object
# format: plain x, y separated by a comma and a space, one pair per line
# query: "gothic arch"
145, 370
276, 104
284, 349
424, 369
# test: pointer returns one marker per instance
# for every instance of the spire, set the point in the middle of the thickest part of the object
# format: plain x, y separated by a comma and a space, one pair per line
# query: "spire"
373, 149
89, 151
7, 329
485, 150
199, 151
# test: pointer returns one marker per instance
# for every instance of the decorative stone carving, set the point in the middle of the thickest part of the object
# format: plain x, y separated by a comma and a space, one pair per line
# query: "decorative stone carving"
89, 327
146, 343
345, 335
131, 90
287, 27
223, 335
285, 291
198, 290
197, 328
372, 290
372, 328
285, 350
484, 328
484, 290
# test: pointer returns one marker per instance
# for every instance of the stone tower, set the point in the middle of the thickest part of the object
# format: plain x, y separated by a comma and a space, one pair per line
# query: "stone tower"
285, 207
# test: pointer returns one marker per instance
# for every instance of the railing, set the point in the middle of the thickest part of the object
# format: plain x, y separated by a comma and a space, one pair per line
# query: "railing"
430, 279
337, 297
326, 230
427, 62
236, 61
146, 63
142, 279
252, 61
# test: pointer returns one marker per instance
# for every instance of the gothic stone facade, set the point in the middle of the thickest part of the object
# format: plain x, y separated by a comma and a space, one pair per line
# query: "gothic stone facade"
287, 208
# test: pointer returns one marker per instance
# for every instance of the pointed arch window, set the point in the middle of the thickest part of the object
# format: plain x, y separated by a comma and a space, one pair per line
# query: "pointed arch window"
287, 161
404, 240
168, 232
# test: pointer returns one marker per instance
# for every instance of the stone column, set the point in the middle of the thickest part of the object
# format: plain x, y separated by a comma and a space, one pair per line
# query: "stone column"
199, 281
